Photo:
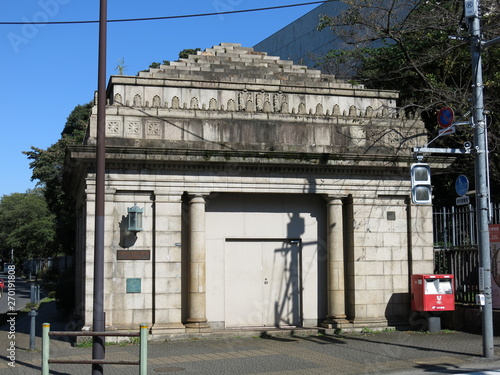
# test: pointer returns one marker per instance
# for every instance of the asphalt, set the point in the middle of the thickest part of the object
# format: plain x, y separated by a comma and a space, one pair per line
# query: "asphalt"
244, 352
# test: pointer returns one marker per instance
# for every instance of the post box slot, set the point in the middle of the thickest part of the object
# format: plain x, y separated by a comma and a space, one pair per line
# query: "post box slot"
438, 286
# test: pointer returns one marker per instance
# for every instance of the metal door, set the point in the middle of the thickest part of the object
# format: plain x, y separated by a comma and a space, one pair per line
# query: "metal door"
262, 283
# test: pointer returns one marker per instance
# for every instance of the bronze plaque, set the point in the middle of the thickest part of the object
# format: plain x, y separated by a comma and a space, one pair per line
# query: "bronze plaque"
133, 285
133, 254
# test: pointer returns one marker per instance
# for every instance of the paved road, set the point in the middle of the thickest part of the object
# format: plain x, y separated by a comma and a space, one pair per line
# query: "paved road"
16, 298
249, 353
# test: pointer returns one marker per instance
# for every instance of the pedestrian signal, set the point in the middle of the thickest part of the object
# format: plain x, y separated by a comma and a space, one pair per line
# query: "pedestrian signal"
421, 189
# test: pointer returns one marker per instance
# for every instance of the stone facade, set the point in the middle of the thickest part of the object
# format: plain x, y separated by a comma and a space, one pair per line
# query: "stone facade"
273, 195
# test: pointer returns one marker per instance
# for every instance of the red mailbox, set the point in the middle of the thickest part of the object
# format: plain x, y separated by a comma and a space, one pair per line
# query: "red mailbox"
432, 293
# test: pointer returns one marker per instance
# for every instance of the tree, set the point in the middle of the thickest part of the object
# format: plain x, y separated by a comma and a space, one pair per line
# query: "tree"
26, 225
47, 166
156, 65
405, 45
184, 54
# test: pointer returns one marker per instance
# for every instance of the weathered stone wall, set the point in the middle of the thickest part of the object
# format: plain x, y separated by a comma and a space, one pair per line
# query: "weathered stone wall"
231, 97
232, 122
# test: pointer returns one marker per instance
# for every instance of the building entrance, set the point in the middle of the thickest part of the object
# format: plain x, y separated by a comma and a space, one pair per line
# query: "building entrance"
262, 283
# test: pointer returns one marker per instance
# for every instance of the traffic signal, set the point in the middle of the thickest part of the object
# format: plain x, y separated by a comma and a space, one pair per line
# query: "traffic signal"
421, 189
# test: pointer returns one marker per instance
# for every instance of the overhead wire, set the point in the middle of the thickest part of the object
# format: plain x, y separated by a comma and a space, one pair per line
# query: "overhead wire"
164, 17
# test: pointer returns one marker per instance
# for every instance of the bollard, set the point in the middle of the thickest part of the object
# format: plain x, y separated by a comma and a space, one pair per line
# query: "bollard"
434, 324
45, 348
143, 360
33, 314
35, 293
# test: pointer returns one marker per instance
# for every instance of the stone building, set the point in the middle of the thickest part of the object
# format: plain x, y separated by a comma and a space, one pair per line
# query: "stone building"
272, 195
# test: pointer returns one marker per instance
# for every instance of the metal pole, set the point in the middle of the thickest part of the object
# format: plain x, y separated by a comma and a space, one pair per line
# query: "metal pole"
98, 313
45, 348
481, 168
33, 315
143, 360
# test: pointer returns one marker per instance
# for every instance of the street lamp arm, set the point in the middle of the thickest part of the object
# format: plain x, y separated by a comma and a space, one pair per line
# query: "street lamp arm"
491, 42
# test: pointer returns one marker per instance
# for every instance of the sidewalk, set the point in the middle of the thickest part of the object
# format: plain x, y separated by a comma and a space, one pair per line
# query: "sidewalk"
256, 353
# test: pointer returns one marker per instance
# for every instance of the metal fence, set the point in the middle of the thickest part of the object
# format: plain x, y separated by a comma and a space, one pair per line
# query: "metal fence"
455, 247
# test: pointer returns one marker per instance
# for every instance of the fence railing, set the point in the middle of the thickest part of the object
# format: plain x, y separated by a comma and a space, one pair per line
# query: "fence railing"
455, 247
143, 351
463, 263
454, 227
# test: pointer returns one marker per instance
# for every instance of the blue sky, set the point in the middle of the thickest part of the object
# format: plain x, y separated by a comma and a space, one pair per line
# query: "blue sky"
46, 70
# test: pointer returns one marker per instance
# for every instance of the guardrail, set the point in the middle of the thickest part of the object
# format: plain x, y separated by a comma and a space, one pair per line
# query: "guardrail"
143, 351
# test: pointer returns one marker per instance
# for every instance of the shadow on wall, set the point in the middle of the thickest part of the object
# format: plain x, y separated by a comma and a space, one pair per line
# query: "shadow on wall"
398, 312
127, 238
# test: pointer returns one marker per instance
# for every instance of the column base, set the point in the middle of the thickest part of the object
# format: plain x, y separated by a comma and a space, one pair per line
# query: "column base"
335, 322
167, 328
197, 326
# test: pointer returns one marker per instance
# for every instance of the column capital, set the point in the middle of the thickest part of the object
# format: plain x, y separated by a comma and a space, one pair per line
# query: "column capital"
333, 199
198, 197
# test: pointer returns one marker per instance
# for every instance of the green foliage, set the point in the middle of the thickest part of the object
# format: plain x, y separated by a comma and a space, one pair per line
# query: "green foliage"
405, 45
120, 66
184, 54
367, 330
156, 65
48, 167
84, 343
31, 306
26, 225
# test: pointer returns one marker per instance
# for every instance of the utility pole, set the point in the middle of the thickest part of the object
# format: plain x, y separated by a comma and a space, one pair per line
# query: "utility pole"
98, 322
481, 171
481, 168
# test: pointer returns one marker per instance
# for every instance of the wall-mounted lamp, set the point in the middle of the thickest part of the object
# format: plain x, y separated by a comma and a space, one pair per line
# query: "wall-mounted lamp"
135, 218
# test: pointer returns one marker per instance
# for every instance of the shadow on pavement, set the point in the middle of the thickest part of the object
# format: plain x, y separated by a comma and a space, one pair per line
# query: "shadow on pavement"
47, 313
27, 365
404, 343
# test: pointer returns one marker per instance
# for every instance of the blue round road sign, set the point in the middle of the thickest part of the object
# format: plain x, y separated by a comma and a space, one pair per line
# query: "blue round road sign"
446, 117
462, 185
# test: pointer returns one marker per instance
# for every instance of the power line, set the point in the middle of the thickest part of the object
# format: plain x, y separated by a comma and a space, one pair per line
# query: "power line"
166, 17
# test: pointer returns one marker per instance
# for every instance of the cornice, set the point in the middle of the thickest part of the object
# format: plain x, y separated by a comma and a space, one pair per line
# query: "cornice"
264, 161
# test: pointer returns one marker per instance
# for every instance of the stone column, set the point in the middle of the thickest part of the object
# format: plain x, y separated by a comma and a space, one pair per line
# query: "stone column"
335, 263
197, 282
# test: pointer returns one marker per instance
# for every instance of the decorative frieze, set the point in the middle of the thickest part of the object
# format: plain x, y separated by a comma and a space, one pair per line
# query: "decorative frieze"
261, 101
154, 129
133, 129
306, 109
137, 101
113, 127
156, 101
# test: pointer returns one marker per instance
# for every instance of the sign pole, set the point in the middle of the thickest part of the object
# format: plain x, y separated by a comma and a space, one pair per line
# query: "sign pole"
481, 167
